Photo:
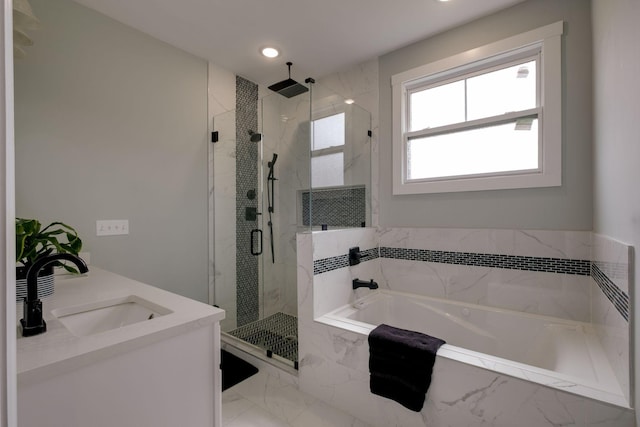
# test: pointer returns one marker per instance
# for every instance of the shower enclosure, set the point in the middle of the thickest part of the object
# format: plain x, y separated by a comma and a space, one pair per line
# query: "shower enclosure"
270, 151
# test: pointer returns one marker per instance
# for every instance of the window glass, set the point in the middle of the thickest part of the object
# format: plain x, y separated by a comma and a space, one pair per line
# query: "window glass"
437, 106
485, 119
507, 147
502, 91
328, 132
506, 90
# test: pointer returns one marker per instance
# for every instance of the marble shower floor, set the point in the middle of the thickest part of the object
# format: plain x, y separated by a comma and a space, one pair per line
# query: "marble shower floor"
265, 400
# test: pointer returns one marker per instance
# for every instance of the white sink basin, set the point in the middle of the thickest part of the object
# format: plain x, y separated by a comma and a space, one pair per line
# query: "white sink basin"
102, 316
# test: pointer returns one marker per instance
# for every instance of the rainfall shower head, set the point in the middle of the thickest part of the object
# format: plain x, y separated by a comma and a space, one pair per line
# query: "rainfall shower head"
255, 137
289, 87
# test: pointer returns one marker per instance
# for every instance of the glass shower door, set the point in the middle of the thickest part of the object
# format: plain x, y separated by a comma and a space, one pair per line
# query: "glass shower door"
225, 218
238, 236
259, 170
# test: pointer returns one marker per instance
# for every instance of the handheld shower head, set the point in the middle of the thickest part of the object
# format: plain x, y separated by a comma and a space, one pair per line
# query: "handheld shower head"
273, 161
254, 136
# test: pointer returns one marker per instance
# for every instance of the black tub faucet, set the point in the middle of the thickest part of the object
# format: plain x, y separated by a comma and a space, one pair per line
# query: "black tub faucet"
32, 322
357, 283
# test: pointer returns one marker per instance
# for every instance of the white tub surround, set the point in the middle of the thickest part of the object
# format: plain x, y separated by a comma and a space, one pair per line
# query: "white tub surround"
533, 271
489, 286
132, 375
561, 354
611, 305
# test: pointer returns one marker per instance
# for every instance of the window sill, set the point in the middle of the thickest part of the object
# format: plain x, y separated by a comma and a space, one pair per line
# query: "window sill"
495, 182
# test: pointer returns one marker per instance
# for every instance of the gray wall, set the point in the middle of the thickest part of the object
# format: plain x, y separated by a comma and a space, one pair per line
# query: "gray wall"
111, 124
567, 207
616, 147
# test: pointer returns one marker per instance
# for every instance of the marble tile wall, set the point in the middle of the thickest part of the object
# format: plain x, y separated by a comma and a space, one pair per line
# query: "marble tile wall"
223, 193
285, 128
221, 91
284, 125
333, 289
357, 150
333, 362
531, 271
360, 83
273, 272
610, 290
222, 204
334, 368
531, 283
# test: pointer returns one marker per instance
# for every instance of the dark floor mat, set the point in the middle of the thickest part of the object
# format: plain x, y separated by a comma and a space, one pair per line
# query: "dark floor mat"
235, 370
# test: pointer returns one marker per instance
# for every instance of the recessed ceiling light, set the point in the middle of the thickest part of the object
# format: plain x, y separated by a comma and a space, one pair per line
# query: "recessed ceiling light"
349, 101
270, 52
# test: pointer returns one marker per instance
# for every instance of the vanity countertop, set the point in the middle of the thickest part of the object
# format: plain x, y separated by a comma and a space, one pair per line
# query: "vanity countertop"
58, 350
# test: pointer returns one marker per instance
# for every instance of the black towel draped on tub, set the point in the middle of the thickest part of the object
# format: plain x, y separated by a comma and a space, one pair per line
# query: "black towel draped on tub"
401, 363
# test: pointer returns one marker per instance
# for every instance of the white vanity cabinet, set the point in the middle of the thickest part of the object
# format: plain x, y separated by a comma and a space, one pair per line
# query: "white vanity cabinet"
164, 371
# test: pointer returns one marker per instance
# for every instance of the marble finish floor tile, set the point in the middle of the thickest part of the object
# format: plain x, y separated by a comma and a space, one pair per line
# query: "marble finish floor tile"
264, 400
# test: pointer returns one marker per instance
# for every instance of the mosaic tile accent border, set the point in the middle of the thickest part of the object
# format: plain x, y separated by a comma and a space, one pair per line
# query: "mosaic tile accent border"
340, 207
512, 262
617, 296
341, 261
614, 270
247, 289
278, 333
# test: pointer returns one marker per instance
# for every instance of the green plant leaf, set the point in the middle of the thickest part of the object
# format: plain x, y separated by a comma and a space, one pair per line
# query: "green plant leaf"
20, 238
33, 241
70, 269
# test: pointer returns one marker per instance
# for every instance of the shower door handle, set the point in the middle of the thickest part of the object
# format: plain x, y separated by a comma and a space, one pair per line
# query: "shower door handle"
254, 232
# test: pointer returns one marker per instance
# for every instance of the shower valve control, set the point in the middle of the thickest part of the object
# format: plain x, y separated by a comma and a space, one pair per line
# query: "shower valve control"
355, 255
251, 213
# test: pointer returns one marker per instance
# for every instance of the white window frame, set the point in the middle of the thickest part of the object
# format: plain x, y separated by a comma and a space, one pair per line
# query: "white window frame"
545, 41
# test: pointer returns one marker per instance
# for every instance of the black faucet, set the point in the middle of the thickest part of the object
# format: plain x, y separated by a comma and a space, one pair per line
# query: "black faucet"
357, 283
32, 322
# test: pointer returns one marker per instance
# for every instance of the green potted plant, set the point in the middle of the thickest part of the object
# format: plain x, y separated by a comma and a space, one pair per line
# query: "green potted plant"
32, 242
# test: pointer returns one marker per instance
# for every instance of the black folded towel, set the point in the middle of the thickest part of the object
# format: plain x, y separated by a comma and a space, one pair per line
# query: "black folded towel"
401, 391
397, 366
401, 363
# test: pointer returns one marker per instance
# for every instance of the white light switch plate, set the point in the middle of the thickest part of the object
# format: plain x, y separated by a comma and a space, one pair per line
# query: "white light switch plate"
112, 227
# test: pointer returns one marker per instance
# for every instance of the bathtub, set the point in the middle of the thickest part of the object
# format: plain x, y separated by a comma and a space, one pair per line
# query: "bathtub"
556, 353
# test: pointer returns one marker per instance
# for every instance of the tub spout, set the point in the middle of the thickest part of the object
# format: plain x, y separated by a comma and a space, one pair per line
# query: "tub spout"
357, 283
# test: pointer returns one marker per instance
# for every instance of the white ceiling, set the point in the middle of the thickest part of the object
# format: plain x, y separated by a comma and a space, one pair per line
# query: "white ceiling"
318, 36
